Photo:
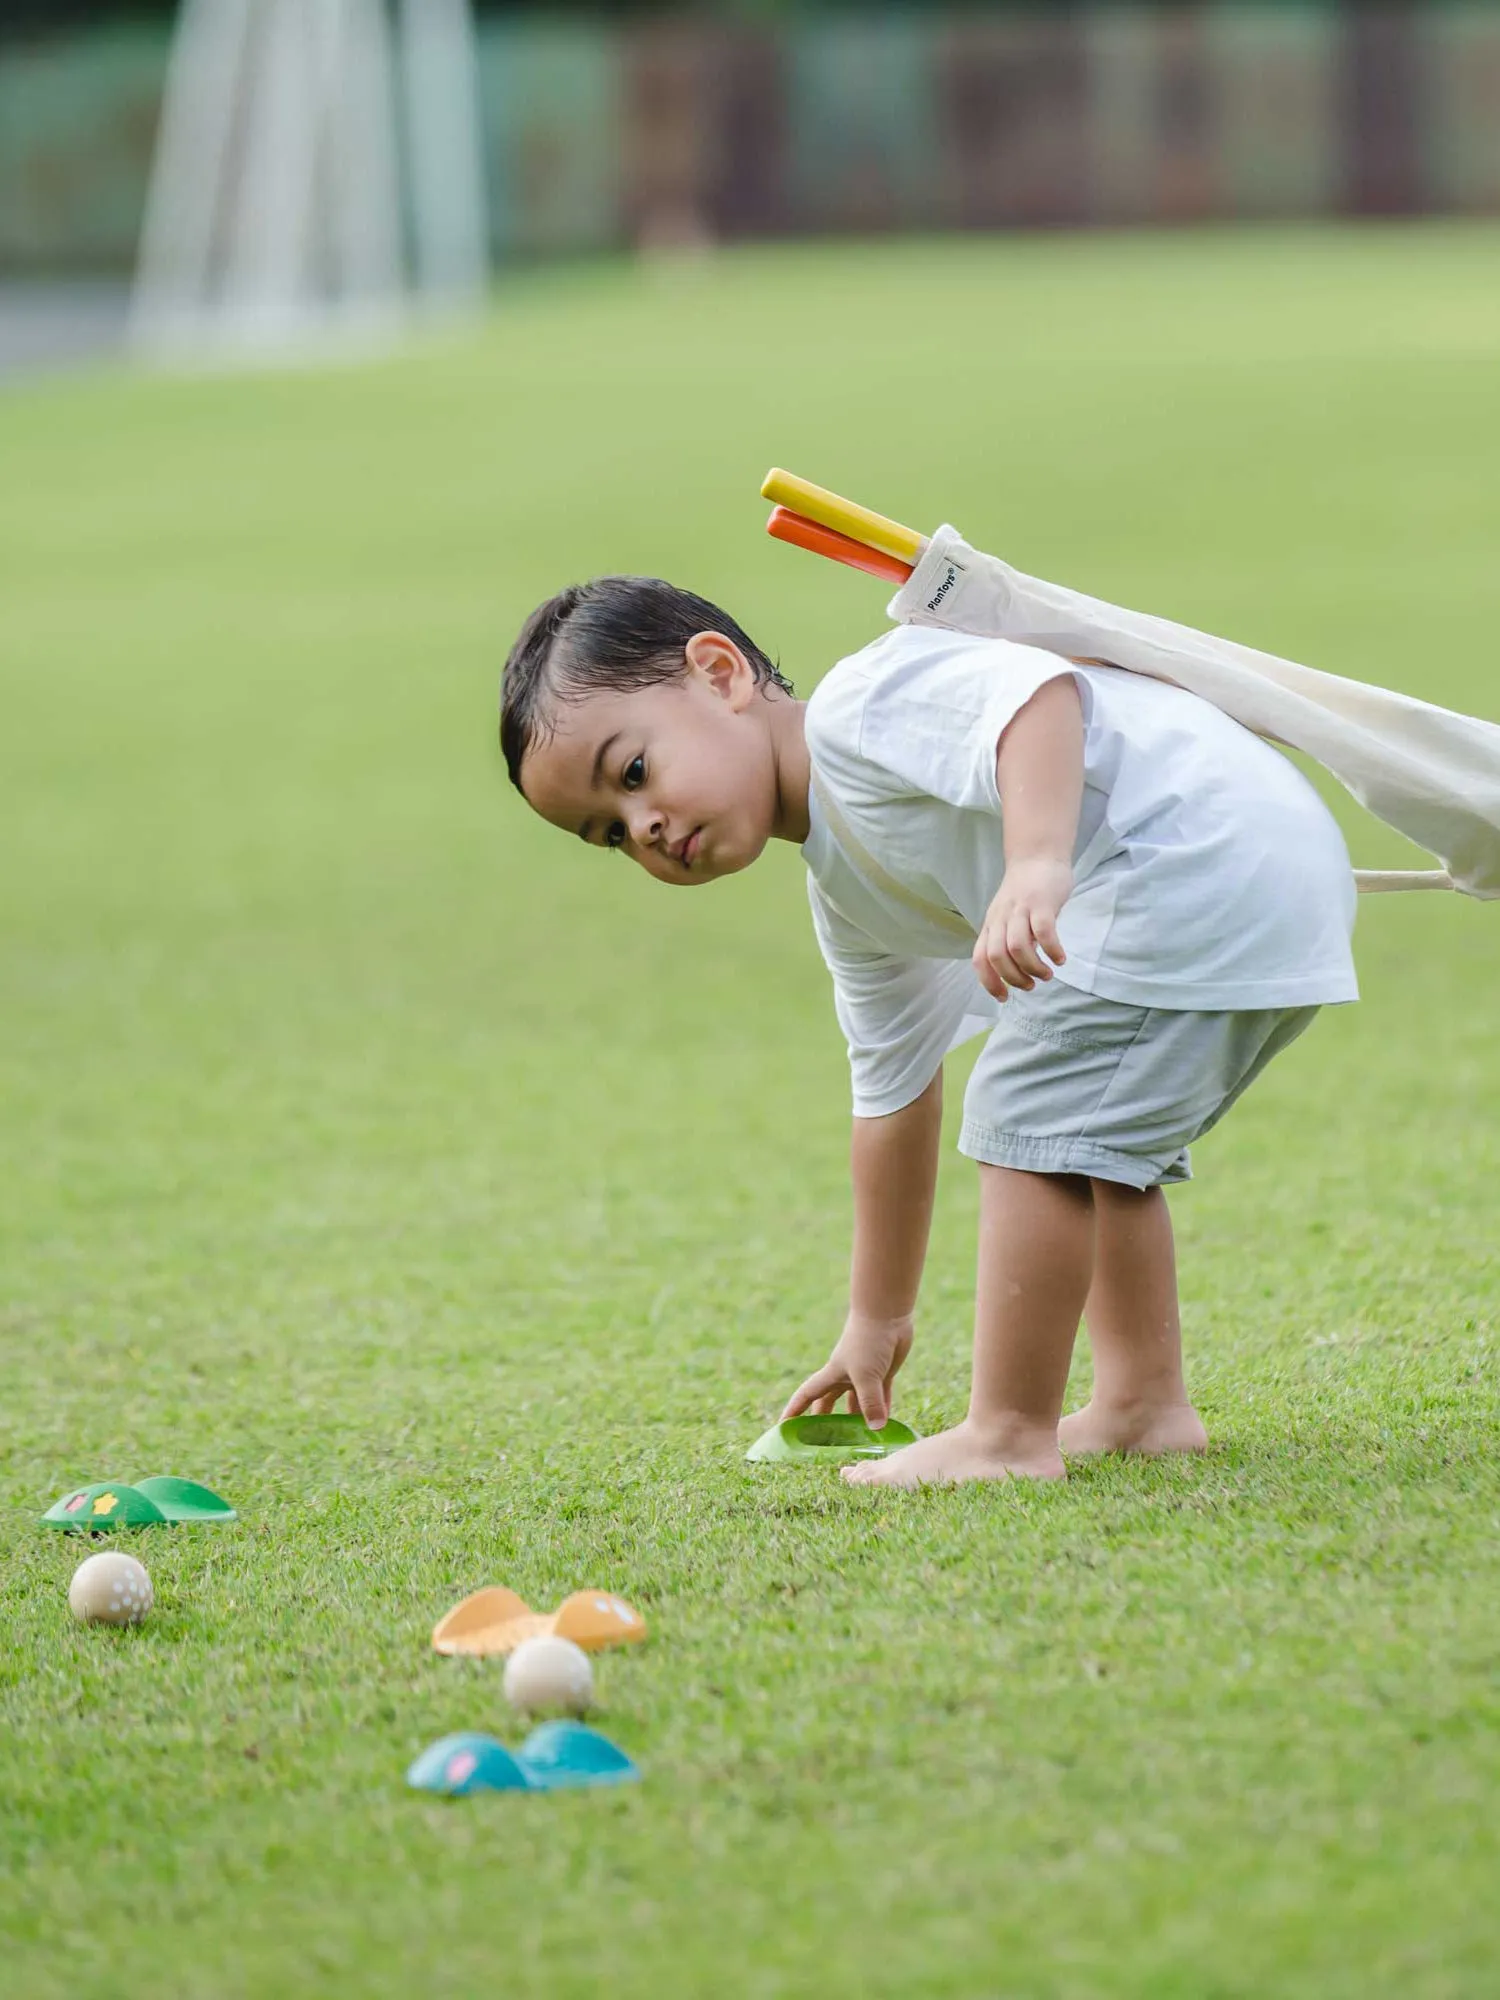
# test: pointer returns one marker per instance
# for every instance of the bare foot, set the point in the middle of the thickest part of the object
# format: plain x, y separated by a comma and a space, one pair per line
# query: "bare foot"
957, 1455
1147, 1428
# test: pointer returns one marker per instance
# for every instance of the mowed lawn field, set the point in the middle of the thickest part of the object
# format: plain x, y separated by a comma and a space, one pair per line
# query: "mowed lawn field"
463, 1205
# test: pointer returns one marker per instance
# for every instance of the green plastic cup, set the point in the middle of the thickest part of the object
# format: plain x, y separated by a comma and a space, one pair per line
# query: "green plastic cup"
838, 1439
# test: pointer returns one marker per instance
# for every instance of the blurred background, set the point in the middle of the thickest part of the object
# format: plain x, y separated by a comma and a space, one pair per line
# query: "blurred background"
568, 131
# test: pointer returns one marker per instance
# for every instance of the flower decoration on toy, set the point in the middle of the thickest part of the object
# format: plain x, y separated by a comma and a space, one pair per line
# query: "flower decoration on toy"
555, 1757
468, 1762
496, 1621
836, 1439
149, 1503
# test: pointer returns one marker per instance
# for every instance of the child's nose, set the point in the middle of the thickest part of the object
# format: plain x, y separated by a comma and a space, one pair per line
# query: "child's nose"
645, 824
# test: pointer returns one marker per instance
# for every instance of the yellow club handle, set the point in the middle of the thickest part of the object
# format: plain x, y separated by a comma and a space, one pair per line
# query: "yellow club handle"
816, 503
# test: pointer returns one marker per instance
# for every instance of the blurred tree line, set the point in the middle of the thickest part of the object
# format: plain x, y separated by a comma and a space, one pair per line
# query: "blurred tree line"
44, 16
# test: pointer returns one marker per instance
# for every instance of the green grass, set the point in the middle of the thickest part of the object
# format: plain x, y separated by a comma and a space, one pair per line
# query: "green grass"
462, 1205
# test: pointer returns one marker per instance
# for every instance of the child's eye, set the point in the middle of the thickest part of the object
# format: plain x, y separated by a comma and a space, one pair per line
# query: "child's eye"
635, 774
614, 833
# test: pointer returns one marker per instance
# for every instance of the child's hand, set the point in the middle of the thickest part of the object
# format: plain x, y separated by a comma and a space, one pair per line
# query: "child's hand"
1021, 924
862, 1366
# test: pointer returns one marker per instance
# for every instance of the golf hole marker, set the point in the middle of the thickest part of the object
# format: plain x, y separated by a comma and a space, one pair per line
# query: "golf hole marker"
148, 1503
554, 1757
497, 1621
836, 1439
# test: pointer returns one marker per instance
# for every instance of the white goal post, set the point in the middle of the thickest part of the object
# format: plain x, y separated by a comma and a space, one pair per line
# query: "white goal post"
318, 175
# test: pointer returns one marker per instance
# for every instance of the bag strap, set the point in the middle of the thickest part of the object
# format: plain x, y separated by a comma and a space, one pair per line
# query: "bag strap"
1368, 881
1381, 881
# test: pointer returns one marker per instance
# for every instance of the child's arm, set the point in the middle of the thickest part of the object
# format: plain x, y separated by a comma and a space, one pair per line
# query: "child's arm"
894, 1169
1039, 770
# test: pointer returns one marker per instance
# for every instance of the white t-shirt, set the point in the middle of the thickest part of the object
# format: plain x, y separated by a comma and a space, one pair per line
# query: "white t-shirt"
1208, 873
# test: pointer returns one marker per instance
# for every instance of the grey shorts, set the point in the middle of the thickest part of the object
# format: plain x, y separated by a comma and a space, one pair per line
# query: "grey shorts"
1069, 1083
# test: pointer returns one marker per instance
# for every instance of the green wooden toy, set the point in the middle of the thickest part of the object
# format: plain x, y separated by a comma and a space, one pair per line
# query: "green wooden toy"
149, 1503
837, 1439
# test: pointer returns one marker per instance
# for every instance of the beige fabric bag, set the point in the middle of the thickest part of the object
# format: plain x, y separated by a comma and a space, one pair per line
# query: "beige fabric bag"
1432, 774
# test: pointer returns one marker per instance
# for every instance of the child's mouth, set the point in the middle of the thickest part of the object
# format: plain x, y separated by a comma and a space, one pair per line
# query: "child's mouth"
690, 846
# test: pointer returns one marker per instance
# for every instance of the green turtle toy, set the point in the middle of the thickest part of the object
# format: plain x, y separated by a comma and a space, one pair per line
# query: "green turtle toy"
150, 1503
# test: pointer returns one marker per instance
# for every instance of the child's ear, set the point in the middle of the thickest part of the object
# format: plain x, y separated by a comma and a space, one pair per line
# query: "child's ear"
721, 663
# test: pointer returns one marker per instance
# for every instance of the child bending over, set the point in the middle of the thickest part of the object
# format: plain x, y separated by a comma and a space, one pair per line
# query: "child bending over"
1161, 903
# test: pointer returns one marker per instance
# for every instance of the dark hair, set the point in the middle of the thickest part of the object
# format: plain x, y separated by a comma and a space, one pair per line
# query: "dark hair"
616, 633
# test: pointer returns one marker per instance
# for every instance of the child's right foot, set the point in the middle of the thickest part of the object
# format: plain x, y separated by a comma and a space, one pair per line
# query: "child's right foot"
1147, 1428
949, 1457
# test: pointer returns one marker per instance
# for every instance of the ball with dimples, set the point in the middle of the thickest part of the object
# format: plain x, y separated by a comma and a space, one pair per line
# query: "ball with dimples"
110, 1589
549, 1676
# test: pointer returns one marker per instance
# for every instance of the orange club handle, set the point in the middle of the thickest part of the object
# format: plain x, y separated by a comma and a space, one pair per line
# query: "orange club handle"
820, 541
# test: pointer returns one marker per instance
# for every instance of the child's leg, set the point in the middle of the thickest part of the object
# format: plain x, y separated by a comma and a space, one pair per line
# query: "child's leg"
1140, 1401
1036, 1257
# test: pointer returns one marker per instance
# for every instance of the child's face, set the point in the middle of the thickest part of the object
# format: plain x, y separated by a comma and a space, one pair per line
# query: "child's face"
681, 776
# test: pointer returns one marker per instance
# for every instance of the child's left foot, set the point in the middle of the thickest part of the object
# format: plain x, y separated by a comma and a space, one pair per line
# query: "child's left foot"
1149, 1429
960, 1454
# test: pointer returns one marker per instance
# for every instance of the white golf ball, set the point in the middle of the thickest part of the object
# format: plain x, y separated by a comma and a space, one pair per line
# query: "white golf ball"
549, 1675
110, 1589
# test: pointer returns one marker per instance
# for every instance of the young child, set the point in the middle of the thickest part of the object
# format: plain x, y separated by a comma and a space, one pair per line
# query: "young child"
1160, 900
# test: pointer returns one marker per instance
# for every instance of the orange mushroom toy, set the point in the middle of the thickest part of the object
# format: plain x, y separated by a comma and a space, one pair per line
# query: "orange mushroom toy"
497, 1621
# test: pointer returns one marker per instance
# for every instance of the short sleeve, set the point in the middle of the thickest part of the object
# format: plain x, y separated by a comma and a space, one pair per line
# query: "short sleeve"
933, 720
899, 1015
